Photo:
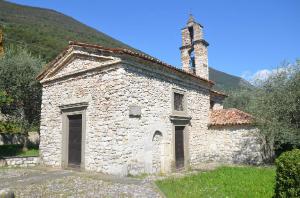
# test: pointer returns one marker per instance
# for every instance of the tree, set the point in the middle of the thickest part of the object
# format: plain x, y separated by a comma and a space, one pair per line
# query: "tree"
277, 107
18, 70
275, 104
239, 99
5, 99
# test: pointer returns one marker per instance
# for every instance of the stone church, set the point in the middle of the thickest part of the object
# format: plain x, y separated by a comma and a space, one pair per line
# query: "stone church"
116, 111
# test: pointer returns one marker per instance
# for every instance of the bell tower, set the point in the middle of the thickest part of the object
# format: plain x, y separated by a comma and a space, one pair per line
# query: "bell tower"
194, 49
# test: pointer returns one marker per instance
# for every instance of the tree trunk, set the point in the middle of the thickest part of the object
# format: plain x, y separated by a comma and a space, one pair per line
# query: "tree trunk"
25, 145
268, 150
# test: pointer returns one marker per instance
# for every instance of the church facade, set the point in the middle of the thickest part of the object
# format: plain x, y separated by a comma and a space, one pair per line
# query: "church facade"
121, 112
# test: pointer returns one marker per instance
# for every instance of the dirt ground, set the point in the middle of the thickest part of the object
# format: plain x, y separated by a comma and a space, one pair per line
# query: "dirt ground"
41, 182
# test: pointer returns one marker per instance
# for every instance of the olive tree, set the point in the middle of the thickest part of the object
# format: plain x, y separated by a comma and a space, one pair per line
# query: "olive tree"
275, 104
18, 69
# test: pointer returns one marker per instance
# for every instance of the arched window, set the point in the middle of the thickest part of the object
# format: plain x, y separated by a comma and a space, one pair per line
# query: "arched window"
156, 134
192, 61
191, 31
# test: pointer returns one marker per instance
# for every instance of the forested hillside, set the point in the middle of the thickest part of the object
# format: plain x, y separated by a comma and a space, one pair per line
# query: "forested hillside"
46, 32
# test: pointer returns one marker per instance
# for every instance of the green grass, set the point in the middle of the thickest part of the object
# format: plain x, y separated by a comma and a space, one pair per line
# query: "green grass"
16, 150
30, 152
238, 182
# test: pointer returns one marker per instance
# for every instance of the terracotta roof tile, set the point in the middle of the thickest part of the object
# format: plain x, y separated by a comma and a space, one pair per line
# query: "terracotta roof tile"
222, 117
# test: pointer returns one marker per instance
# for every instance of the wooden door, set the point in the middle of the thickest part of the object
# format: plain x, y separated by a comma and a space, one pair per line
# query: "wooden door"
75, 137
179, 146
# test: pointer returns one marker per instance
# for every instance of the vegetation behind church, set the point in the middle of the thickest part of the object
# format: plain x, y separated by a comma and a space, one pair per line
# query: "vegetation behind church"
20, 93
275, 103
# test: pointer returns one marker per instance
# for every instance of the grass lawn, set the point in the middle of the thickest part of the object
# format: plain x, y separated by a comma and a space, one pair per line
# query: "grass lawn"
16, 150
29, 152
238, 182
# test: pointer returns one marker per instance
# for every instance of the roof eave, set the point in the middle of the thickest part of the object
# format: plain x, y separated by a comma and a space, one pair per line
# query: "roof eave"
43, 73
230, 124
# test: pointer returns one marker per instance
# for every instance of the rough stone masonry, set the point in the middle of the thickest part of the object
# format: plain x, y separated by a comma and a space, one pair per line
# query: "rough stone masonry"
120, 112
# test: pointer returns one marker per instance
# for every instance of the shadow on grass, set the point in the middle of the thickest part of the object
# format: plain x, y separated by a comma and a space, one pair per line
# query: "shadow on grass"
16, 150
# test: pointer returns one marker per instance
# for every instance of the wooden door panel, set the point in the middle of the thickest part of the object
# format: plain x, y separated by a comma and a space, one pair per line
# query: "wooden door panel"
179, 146
75, 137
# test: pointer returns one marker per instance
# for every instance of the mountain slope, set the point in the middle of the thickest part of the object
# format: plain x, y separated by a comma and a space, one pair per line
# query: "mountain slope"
226, 82
46, 32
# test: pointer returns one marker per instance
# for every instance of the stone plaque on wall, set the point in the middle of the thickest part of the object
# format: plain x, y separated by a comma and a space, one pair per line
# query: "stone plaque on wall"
135, 111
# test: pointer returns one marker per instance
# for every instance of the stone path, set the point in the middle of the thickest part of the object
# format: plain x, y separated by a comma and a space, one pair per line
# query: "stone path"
67, 183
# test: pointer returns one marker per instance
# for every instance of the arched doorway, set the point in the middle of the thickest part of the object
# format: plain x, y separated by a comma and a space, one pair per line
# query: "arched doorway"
157, 152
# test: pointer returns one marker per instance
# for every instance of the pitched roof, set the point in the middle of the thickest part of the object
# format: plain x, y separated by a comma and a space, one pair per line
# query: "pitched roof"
43, 73
225, 117
191, 19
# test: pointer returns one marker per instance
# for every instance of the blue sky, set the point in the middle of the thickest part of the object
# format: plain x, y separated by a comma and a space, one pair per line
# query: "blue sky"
245, 36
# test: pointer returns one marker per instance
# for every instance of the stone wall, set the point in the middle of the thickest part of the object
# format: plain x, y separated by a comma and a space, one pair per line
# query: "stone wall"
217, 106
98, 89
20, 161
153, 93
185, 58
115, 142
201, 59
231, 144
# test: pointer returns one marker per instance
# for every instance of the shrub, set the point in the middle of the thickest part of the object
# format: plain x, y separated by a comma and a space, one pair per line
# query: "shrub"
10, 127
10, 150
288, 174
17, 150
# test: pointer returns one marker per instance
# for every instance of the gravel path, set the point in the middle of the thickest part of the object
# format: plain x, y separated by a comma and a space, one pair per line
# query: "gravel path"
67, 183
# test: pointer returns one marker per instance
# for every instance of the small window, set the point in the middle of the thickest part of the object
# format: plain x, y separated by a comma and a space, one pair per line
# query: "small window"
178, 102
191, 31
212, 104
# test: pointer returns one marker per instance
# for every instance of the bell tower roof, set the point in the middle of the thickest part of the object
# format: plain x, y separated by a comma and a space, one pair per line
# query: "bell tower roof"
191, 20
